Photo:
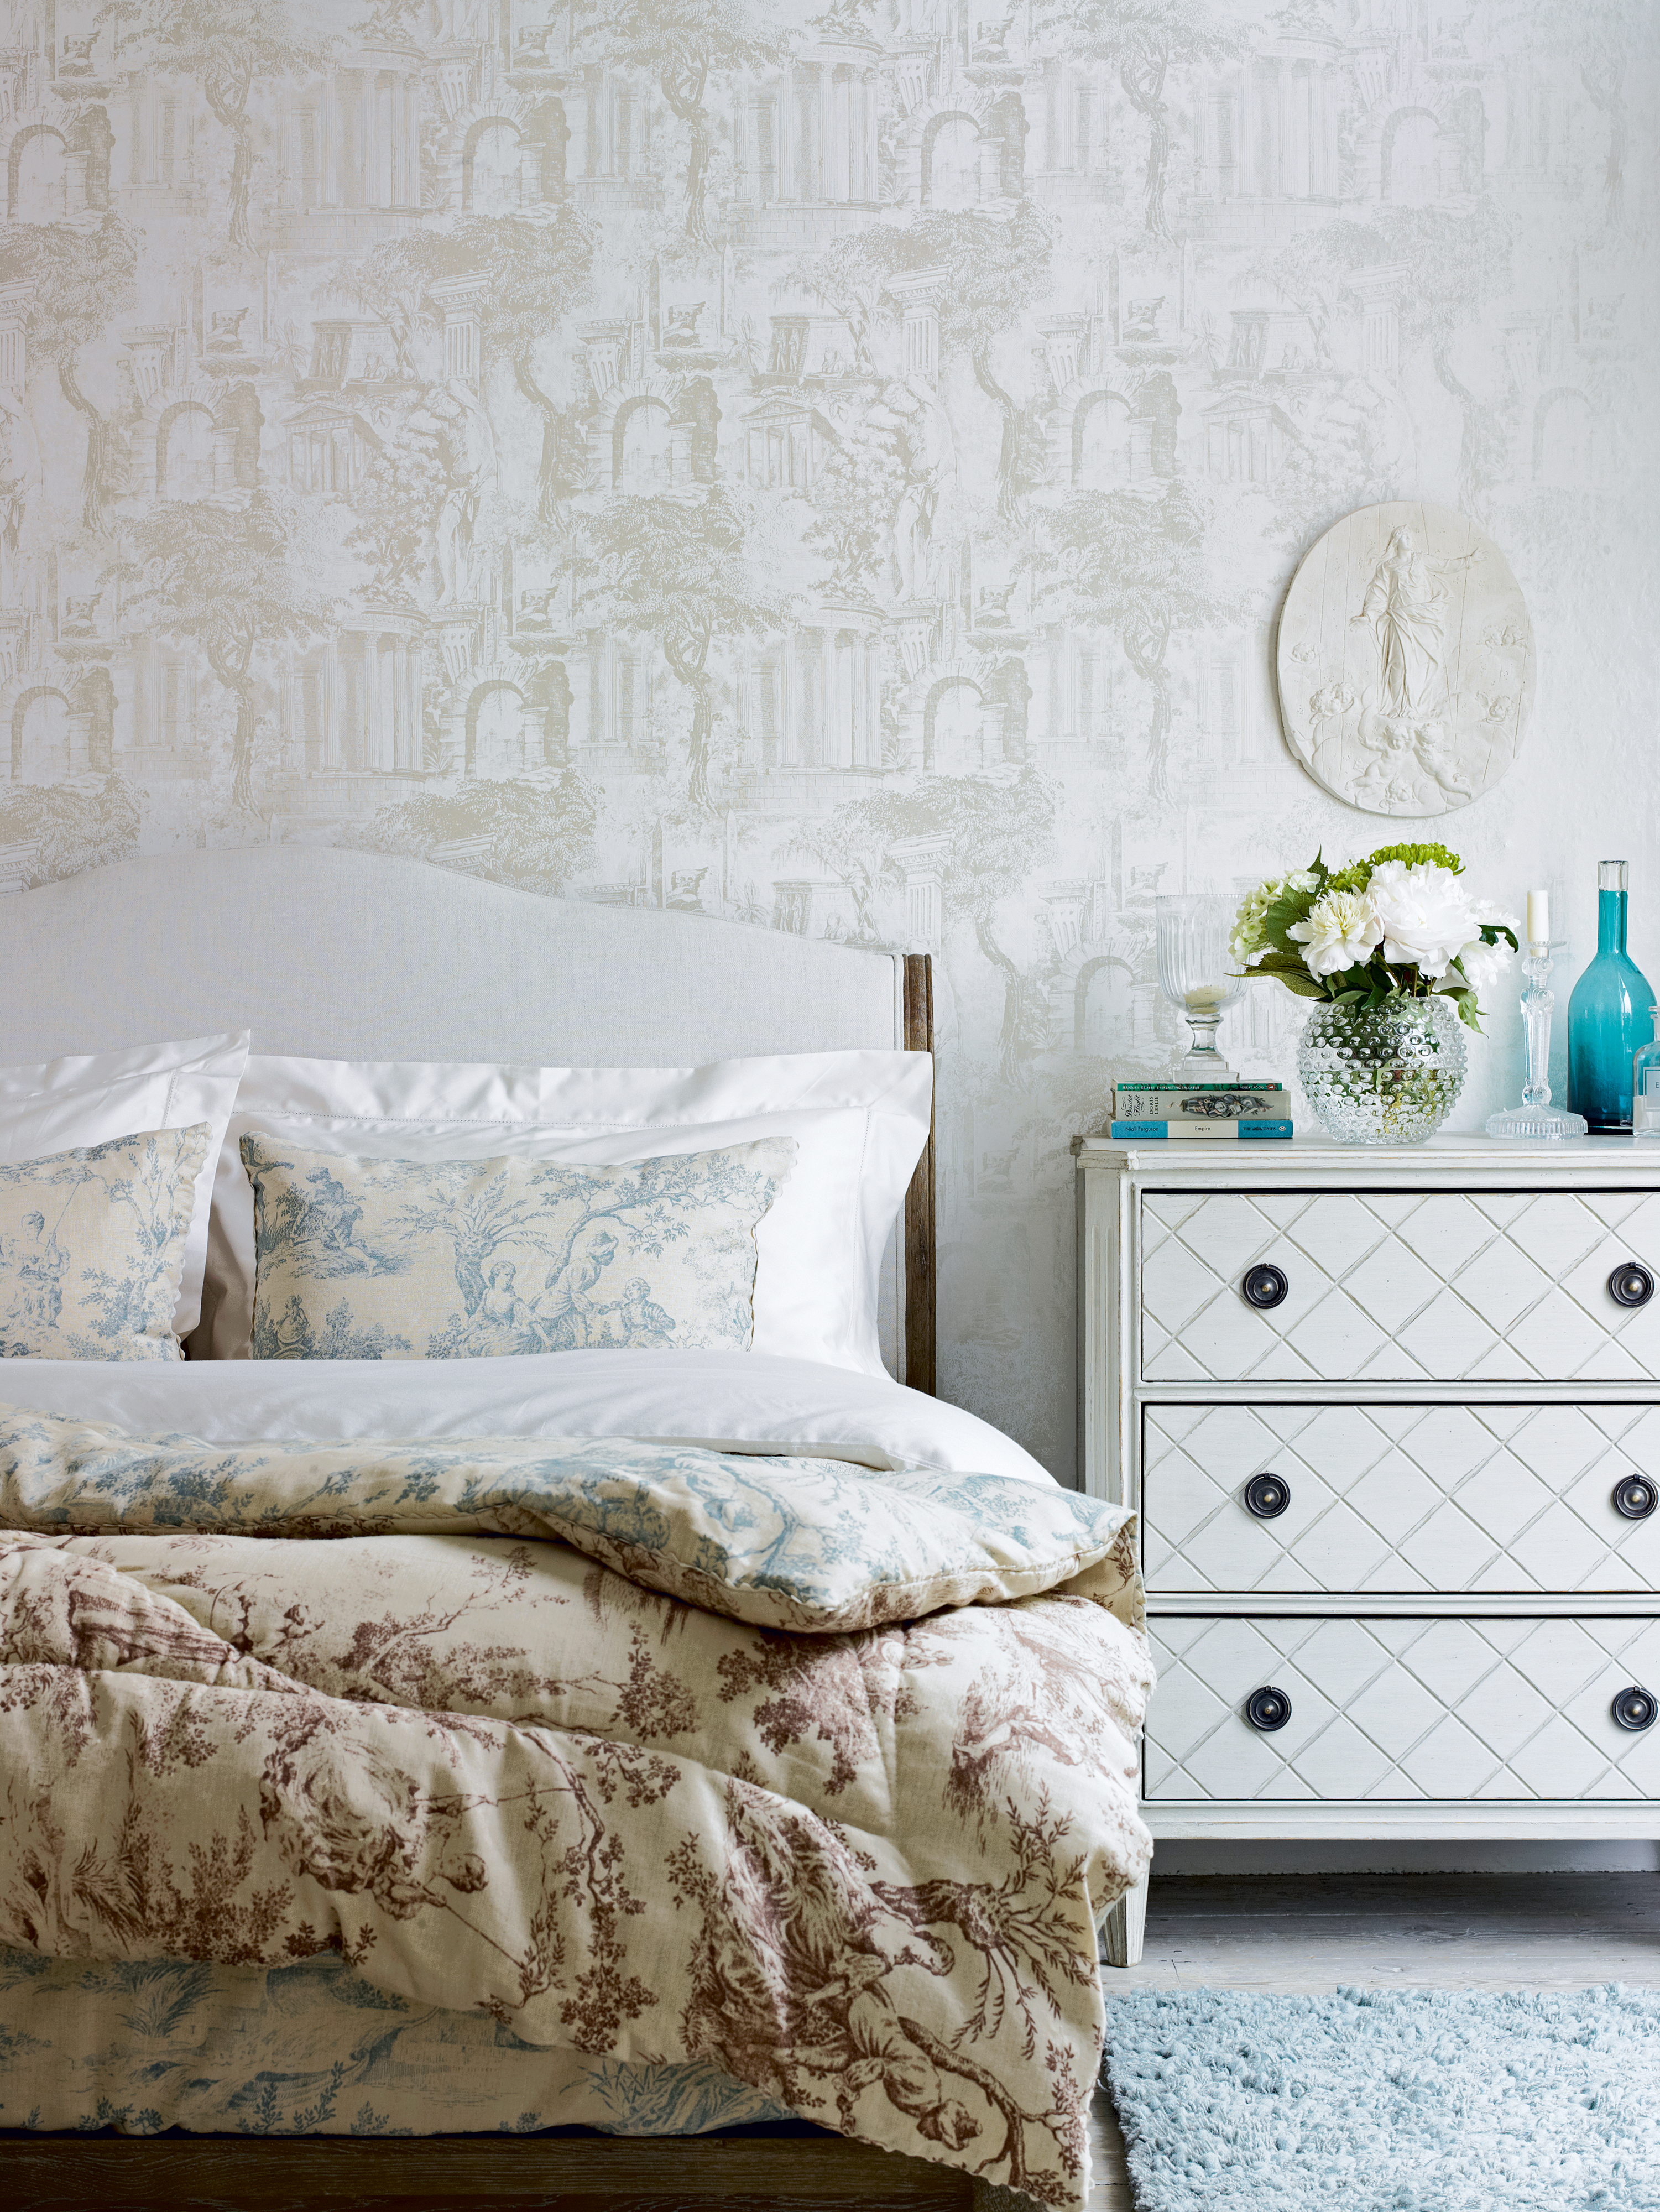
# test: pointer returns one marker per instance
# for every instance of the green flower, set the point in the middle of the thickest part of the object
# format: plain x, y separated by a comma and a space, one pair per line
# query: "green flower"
1357, 874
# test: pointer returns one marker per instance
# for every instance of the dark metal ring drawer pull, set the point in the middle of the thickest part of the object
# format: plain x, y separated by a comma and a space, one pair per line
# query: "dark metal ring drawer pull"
1266, 1286
1266, 1496
1635, 1709
1636, 1497
1631, 1284
1270, 1709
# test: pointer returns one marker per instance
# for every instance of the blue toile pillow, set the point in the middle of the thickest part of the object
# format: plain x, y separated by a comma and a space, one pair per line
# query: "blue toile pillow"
92, 1247
376, 1258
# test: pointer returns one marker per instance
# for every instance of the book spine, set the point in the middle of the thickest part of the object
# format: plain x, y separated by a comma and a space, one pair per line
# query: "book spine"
1246, 1132
1197, 1089
1133, 1103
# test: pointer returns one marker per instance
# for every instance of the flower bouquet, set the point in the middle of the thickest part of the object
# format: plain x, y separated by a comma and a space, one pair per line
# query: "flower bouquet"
1393, 946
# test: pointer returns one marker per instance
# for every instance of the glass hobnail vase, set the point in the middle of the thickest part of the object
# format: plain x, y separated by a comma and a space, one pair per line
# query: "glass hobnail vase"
1390, 1077
1608, 1013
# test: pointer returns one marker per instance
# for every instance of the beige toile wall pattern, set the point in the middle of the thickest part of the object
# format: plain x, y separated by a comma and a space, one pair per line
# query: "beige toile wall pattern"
832, 467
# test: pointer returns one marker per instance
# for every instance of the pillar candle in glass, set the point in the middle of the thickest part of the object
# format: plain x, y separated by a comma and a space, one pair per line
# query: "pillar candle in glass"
1607, 1014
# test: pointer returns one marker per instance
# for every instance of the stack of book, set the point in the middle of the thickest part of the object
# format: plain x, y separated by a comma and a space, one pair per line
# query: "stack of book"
1238, 1111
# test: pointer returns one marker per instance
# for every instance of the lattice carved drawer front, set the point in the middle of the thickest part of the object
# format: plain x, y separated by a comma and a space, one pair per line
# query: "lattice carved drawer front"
1422, 1709
1398, 1286
1495, 1498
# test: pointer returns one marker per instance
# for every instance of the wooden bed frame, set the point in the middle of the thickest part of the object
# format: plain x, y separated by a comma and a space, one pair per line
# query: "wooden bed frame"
790, 2168
85, 928
918, 1241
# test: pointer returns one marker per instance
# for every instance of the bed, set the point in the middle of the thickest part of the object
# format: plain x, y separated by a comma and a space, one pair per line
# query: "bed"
383, 959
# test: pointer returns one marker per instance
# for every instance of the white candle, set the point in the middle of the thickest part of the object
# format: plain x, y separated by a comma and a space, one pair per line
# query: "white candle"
1538, 917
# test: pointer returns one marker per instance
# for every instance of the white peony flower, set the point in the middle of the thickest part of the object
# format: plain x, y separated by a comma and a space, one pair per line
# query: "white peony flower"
1342, 930
1426, 915
1485, 964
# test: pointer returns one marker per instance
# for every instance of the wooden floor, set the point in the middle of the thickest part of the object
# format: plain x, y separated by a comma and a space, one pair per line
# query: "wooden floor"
1309, 1933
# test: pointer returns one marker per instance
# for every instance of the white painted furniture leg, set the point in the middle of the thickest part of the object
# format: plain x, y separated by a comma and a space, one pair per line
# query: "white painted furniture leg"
1127, 1924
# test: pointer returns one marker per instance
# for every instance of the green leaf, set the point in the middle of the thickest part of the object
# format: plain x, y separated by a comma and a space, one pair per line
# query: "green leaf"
1469, 1012
1278, 918
1357, 978
1303, 984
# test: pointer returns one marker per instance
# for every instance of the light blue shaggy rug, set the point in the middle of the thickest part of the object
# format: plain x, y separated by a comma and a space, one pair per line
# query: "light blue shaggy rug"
1389, 2100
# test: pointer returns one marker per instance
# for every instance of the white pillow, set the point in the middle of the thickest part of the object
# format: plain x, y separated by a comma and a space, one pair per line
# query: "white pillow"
859, 1120
67, 1105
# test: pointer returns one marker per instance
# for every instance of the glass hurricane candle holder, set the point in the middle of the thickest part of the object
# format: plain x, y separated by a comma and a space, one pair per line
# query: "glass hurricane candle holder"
1197, 974
1536, 1120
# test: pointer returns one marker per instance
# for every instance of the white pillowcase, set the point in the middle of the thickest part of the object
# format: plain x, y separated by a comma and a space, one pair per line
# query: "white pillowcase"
859, 1120
67, 1105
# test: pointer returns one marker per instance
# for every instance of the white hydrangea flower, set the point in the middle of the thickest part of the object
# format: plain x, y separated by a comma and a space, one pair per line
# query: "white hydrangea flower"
1247, 943
1342, 930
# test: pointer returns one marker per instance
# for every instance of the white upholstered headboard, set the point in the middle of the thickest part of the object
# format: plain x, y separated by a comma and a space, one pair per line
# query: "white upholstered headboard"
348, 955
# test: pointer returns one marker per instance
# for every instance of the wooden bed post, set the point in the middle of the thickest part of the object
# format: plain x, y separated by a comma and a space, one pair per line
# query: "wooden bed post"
920, 1320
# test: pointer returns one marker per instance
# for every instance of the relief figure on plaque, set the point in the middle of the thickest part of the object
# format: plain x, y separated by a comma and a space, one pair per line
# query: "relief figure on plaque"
1405, 659
1407, 602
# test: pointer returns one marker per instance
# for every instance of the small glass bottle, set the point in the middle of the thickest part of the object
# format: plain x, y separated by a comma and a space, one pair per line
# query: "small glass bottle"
1605, 1016
1645, 1084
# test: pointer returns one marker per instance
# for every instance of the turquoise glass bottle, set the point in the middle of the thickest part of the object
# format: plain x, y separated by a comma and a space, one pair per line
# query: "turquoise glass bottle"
1608, 1015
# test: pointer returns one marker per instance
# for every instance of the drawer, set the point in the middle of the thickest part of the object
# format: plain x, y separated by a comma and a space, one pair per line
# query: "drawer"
1398, 1285
1418, 1710
1402, 1499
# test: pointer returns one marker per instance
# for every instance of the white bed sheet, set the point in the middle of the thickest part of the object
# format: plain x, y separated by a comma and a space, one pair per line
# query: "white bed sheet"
741, 1401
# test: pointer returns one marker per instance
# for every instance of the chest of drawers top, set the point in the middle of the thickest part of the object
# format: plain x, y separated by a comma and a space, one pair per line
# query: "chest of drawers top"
1456, 1160
1460, 1261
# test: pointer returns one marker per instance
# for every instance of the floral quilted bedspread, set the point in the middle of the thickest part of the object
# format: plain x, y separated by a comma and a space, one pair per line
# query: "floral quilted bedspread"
422, 1707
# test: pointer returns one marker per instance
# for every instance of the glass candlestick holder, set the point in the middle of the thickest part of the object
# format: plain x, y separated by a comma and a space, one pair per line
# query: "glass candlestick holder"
1536, 1120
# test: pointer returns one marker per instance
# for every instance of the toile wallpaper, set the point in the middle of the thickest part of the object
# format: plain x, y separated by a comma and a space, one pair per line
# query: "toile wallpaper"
830, 466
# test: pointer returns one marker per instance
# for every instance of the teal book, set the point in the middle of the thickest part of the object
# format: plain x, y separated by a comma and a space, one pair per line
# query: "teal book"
1246, 1132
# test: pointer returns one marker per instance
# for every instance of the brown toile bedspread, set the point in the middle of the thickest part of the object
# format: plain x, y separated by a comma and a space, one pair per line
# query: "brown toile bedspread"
860, 1871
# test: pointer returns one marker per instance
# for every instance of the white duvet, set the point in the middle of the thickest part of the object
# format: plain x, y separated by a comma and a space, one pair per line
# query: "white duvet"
736, 1400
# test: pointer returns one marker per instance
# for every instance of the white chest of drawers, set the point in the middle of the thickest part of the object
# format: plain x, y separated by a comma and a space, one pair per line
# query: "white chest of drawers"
1391, 1422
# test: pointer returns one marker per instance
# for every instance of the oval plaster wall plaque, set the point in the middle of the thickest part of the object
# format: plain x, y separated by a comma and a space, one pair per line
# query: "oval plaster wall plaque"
1405, 660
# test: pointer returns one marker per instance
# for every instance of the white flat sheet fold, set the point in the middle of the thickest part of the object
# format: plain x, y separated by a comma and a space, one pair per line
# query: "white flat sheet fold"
733, 1401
